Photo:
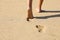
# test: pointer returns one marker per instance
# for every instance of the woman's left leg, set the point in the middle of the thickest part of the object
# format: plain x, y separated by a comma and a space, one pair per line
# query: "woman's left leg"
40, 5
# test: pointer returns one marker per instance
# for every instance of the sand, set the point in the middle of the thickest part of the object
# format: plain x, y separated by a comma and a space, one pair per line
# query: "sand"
13, 24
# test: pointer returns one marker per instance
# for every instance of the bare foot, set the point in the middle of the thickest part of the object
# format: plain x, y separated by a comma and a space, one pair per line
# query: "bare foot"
27, 19
39, 11
30, 14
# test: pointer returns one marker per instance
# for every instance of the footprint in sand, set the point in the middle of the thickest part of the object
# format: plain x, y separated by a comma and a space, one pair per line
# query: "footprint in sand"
39, 27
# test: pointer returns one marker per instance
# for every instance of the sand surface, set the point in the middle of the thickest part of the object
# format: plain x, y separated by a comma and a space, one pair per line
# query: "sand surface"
13, 24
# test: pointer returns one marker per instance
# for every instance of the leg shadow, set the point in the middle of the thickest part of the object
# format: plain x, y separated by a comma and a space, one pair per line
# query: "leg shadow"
46, 17
57, 11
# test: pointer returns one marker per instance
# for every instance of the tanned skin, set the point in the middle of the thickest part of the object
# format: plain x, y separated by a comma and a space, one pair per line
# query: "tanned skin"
30, 13
40, 5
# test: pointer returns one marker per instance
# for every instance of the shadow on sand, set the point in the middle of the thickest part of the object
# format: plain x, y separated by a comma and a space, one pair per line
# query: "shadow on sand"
44, 11
46, 17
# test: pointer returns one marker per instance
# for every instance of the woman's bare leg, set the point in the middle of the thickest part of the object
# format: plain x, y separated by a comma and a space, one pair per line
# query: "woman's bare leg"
40, 5
30, 14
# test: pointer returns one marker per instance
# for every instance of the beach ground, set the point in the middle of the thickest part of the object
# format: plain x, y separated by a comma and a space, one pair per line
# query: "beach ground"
13, 24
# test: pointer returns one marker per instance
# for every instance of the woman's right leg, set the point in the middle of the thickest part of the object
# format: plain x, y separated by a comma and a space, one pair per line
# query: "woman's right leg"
30, 14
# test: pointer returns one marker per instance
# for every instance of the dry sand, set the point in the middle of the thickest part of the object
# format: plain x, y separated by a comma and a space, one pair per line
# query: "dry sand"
13, 24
